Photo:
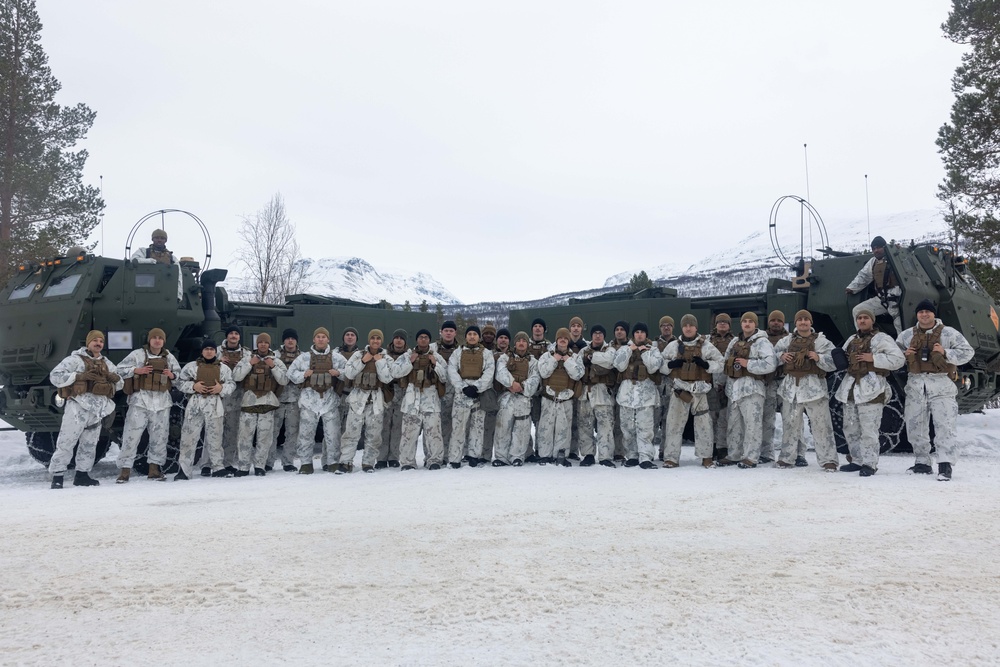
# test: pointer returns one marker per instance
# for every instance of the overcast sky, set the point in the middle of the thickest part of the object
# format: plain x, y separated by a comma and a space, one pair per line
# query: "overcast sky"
513, 150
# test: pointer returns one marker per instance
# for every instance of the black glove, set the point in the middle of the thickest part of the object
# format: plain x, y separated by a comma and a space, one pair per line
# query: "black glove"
701, 363
676, 363
471, 392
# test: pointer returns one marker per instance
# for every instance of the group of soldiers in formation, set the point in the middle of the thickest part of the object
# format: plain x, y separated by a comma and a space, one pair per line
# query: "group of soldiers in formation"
625, 399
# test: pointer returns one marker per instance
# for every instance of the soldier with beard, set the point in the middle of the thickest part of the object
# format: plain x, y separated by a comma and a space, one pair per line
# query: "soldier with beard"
489, 337
348, 346
864, 391
261, 374
207, 382
637, 396
392, 422
470, 372
229, 354
372, 370
597, 403
157, 253
665, 384
933, 353
88, 382
148, 374
560, 371
620, 340
537, 346
775, 332
576, 343
517, 375
718, 402
446, 346
887, 290
806, 357
749, 359
319, 374
423, 387
287, 414
691, 361
497, 347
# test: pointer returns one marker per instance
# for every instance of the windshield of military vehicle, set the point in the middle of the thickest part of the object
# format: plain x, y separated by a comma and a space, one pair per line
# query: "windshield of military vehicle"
23, 292
62, 286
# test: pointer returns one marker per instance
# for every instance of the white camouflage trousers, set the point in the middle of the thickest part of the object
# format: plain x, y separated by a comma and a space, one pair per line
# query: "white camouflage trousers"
467, 425
231, 427
263, 425
76, 428
308, 421
287, 414
392, 428
372, 424
720, 417
430, 424
601, 417
513, 436
820, 425
746, 418
637, 433
555, 428
862, 422
212, 452
447, 403
917, 413
677, 417
137, 420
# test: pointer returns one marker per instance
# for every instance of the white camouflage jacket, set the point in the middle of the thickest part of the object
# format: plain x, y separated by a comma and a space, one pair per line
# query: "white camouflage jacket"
417, 401
598, 394
638, 394
143, 398
547, 365
386, 369
309, 398
278, 371
865, 278
709, 353
65, 372
484, 382
519, 404
956, 351
808, 387
887, 356
761, 361
209, 405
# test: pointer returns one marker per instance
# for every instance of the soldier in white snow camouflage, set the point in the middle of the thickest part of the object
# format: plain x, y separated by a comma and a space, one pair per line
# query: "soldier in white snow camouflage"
864, 391
748, 359
560, 370
319, 372
517, 374
148, 374
665, 385
470, 372
691, 360
638, 397
887, 290
596, 404
446, 346
933, 352
718, 401
287, 414
88, 382
208, 382
392, 422
805, 357
423, 387
229, 354
260, 374
349, 345
775, 332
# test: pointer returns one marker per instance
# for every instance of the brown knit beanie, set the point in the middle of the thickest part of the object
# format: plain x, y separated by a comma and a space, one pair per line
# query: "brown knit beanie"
689, 319
750, 316
803, 314
156, 332
93, 335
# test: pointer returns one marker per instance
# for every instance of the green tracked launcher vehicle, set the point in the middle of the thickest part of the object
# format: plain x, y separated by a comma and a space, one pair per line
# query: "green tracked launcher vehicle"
47, 310
925, 271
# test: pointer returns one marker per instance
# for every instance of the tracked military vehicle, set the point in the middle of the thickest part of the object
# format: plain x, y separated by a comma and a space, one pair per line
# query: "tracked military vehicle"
926, 271
47, 309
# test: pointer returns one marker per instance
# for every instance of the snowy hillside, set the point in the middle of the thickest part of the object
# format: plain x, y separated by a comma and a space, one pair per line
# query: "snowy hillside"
354, 278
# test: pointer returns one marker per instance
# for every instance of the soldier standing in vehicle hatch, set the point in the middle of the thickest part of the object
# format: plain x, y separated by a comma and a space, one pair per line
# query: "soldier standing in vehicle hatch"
887, 290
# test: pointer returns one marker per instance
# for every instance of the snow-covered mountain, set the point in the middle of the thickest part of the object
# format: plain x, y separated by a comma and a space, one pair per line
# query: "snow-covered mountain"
354, 278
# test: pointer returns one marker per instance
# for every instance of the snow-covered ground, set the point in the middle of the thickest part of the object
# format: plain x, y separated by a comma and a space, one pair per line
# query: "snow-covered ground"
538, 565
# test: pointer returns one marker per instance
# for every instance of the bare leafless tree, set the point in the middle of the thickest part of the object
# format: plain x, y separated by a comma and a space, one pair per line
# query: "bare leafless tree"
272, 263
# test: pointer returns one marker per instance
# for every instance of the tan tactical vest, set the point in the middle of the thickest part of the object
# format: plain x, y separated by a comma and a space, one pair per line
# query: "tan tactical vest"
102, 387
518, 367
884, 278
595, 374
209, 373
690, 371
344, 386
260, 380
926, 360
538, 348
164, 257
862, 344
367, 379
231, 357
155, 381
321, 380
445, 350
636, 370
470, 364
560, 380
423, 375
741, 350
721, 343
778, 372
801, 365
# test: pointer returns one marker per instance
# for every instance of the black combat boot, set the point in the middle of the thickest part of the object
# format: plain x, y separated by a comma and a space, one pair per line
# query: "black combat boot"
850, 467
455, 464
381, 464
222, 472
866, 471
434, 466
180, 476
800, 462
57, 482
588, 460
289, 468
405, 468
259, 472
647, 465
498, 463
206, 472
241, 473
393, 463
84, 479
608, 463
920, 469
631, 463
517, 463
944, 472
563, 461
